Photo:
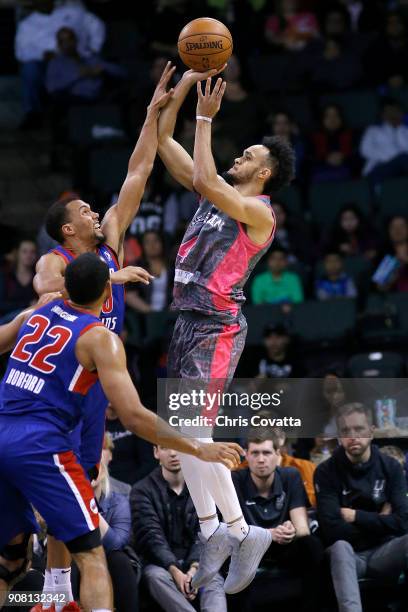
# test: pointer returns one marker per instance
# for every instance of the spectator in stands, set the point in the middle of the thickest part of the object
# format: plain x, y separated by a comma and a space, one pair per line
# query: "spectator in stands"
336, 68
279, 360
165, 527
332, 147
16, 280
36, 41
157, 295
277, 285
352, 234
72, 77
398, 280
290, 28
397, 232
274, 498
385, 147
334, 283
305, 467
386, 60
281, 124
362, 509
115, 526
292, 234
239, 117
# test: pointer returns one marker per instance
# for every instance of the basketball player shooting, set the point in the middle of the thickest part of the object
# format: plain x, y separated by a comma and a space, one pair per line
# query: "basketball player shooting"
231, 230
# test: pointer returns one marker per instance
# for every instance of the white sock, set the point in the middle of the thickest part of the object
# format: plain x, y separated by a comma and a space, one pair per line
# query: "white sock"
225, 496
48, 587
61, 578
100, 610
208, 526
238, 529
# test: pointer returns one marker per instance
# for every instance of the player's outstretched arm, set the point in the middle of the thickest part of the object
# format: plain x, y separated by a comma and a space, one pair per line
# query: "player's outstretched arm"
101, 349
49, 274
9, 331
119, 216
206, 182
176, 159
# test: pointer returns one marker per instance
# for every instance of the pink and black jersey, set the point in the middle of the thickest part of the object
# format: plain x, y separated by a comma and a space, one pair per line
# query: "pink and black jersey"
44, 378
113, 310
214, 261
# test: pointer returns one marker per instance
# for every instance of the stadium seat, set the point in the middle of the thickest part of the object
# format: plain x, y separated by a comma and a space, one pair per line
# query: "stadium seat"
268, 72
290, 196
376, 365
394, 198
324, 322
98, 123
360, 108
400, 301
382, 322
300, 109
326, 199
123, 40
258, 317
107, 168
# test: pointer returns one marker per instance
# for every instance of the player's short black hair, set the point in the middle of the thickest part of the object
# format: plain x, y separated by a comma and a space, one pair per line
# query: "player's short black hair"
56, 217
282, 153
86, 278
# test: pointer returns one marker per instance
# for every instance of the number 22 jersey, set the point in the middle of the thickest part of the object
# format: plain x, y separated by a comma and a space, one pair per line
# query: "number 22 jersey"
44, 380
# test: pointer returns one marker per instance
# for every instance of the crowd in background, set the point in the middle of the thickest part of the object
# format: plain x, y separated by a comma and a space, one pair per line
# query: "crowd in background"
87, 73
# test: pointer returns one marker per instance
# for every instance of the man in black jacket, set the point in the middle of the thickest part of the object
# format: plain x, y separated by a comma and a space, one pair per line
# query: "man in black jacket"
165, 527
363, 509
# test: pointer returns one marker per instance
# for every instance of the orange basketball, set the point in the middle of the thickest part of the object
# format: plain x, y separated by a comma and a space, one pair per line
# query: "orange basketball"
205, 43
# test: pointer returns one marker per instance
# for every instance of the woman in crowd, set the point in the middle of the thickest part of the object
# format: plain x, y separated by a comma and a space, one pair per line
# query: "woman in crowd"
157, 295
352, 234
16, 279
332, 147
290, 28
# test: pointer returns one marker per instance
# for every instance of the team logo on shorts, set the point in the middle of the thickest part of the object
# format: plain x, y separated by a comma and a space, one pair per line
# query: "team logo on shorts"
93, 506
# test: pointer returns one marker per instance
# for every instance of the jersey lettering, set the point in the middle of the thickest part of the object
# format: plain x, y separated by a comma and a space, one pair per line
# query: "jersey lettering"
39, 359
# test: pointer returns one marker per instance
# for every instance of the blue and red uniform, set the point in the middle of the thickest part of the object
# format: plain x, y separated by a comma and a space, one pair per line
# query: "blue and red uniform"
87, 438
214, 261
43, 393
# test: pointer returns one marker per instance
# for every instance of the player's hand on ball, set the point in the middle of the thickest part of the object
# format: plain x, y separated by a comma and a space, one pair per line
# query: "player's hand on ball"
161, 95
227, 453
131, 274
209, 102
195, 76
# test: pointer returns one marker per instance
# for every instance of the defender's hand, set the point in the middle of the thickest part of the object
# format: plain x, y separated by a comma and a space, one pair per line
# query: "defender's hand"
209, 102
46, 298
227, 453
131, 274
161, 95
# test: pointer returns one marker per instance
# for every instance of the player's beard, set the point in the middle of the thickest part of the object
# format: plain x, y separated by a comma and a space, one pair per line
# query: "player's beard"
229, 178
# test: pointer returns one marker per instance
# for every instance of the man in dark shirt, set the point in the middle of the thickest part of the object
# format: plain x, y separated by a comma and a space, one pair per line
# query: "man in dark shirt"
275, 498
279, 362
362, 508
165, 527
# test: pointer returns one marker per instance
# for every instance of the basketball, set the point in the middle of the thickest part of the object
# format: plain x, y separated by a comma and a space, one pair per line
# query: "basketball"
204, 44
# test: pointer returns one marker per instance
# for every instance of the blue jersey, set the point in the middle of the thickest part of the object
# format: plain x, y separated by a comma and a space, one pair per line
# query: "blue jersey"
44, 379
87, 438
113, 310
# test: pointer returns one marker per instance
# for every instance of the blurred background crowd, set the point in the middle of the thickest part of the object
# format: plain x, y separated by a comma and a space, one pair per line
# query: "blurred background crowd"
330, 298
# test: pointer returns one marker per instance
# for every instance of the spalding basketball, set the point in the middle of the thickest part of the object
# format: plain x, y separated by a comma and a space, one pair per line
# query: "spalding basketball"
205, 43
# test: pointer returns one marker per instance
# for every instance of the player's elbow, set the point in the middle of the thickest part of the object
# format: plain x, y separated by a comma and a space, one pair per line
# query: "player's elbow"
200, 185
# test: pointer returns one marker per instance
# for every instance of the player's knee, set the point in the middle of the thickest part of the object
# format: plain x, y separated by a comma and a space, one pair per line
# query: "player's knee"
93, 559
15, 558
